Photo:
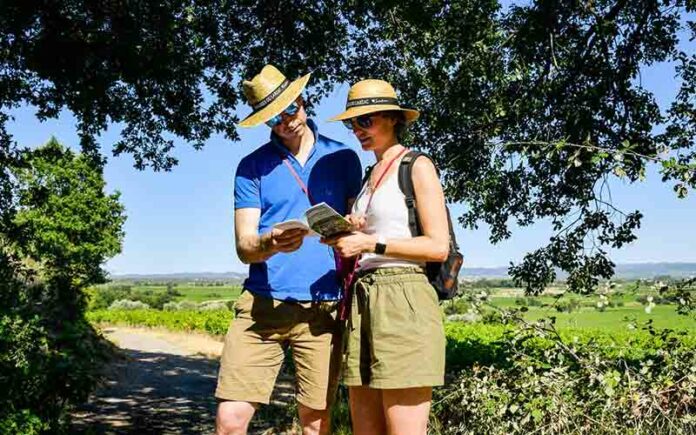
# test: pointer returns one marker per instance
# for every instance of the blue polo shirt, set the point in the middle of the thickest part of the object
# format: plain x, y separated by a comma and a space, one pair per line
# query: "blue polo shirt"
332, 174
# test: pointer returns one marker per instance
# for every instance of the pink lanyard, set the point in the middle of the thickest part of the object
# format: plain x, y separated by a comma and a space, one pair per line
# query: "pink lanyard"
303, 186
381, 177
349, 274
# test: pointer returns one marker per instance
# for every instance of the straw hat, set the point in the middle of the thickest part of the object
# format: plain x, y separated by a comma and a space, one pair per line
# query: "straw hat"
269, 93
369, 96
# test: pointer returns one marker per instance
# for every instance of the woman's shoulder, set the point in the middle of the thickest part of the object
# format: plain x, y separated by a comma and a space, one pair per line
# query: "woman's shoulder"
424, 166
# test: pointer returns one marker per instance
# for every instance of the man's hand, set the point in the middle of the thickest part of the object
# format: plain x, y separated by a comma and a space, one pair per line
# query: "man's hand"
284, 240
253, 247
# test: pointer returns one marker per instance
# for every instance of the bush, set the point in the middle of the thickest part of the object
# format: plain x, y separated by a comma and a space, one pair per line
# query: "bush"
646, 299
212, 306
528, 379
192, 306
567, 305
57, 229
154, 299
211, 322
180, 306
529, 302
103, 296
125, 304
458, 305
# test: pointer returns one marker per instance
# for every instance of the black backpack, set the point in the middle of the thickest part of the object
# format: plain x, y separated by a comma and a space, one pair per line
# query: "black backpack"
442, 275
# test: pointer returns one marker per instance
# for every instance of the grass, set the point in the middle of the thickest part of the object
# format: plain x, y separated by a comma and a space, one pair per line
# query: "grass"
201, 294
617, 318
196, 293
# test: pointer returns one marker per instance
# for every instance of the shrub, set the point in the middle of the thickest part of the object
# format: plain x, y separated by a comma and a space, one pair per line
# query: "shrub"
646, 299
155, 299
211, 322
458, 305
188, 306
529, 302
56, 231
103, 296
125, 304
567, 305
212, 306
533, 379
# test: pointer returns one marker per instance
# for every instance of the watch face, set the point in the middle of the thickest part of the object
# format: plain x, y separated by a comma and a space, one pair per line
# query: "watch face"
380, 248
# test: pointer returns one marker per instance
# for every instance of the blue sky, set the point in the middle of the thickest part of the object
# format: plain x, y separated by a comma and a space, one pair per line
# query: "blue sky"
182, 221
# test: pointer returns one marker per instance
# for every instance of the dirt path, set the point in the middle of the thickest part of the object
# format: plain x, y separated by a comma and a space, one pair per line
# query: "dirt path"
163, 383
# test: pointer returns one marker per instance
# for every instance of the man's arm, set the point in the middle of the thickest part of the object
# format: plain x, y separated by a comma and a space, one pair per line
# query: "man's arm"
253, 247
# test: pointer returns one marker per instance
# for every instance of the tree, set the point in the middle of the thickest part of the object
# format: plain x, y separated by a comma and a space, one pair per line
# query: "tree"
529, 111
63, 227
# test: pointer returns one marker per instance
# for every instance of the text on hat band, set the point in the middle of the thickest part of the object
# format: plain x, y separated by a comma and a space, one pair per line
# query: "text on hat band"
371, 101
272, 96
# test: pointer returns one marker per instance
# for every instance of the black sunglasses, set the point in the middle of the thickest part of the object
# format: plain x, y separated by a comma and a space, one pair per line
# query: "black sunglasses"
363, 121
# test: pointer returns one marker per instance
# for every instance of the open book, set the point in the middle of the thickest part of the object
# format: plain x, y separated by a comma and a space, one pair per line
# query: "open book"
319, 220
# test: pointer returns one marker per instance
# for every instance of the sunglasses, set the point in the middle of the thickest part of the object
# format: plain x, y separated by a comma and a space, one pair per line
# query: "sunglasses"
291, 110
363, 121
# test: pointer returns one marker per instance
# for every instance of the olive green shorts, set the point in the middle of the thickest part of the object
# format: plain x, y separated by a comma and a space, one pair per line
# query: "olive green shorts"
395, 337
255, 344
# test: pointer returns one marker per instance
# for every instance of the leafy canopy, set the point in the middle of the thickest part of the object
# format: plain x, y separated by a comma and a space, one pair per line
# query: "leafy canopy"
530, 111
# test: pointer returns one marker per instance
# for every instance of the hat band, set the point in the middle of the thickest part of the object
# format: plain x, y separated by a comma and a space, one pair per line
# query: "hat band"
371, 101
272, 96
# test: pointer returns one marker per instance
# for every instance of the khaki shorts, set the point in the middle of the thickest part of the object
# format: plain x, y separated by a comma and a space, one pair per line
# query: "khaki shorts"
255, 343
395, 334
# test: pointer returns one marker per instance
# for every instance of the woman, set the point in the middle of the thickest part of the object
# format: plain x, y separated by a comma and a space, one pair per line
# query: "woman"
395, 349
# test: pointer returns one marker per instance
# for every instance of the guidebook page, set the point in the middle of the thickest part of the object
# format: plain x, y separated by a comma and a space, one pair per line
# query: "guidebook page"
326, 221
319, 220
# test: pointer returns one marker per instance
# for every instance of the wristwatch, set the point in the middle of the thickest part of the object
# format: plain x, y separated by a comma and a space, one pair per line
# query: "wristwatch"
381, 245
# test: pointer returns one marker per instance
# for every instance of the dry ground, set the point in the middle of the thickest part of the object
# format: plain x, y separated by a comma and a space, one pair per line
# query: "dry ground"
162, 383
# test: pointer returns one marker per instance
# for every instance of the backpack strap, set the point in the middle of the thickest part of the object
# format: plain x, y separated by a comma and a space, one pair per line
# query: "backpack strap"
406, 186
368, 172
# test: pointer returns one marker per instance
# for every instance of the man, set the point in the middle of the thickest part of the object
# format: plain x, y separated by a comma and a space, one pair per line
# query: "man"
290, 296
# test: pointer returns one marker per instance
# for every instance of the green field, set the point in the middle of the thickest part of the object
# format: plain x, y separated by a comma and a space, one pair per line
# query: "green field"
624, 312
196, 293
662, 316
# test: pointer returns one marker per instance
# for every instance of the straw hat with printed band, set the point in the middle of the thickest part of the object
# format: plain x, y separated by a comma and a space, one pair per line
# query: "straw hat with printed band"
269, 93
369, 96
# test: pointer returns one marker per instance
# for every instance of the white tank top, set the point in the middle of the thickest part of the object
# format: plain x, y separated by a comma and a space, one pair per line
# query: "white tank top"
387, 217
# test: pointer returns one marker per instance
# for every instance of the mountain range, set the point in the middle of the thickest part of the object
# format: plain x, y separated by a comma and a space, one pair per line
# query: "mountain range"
623, 271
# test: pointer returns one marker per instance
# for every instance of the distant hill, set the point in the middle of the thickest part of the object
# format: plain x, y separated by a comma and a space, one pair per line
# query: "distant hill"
624, 271
231, 277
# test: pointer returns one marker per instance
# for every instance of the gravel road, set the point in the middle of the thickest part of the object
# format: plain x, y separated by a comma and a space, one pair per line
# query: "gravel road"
163, 383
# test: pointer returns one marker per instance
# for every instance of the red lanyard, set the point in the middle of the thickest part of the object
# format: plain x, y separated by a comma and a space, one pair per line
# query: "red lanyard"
303, 186
381, 177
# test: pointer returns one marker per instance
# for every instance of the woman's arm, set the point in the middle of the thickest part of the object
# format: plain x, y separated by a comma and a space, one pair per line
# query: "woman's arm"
433, 245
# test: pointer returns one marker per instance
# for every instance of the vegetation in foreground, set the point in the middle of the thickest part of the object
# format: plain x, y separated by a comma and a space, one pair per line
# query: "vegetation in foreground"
517, 376
51, 249
622, 361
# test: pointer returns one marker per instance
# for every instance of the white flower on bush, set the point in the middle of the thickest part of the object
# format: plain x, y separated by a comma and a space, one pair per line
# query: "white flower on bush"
602, 303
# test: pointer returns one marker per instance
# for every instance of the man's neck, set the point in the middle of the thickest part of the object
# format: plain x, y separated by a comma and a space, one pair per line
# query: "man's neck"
301, 145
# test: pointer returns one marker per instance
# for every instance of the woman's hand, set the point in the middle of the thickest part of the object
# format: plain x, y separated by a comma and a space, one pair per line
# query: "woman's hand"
350, 245
357, 220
